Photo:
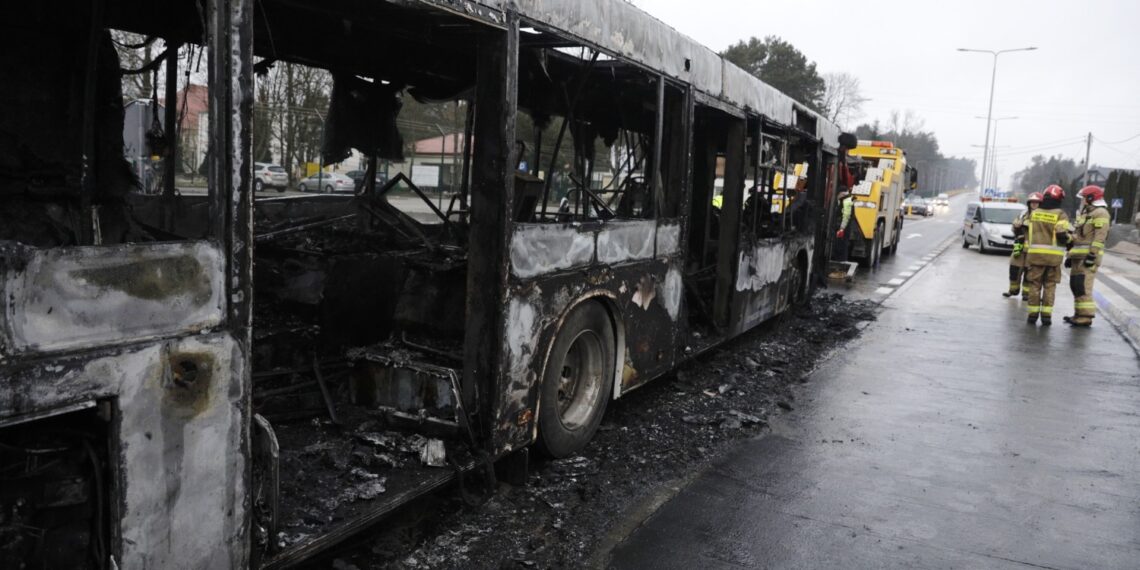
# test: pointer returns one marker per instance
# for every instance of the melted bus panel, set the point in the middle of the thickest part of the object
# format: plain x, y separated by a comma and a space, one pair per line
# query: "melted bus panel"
123, 363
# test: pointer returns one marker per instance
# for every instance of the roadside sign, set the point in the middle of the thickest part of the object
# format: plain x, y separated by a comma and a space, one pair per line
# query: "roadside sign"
1117, 204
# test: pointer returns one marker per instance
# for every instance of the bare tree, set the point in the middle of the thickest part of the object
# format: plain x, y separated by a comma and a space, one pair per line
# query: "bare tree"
842, 98
288, 120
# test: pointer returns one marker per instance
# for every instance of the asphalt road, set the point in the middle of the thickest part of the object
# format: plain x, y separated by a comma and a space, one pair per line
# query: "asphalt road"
921, 238
950, 434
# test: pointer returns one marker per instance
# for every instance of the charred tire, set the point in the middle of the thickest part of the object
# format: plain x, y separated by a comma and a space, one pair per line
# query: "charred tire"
578, 381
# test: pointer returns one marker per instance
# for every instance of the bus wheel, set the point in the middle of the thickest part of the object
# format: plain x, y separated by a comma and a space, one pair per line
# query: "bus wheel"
577, 383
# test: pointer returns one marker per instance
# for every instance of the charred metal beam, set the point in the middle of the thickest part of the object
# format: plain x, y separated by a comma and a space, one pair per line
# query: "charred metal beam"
230, 174
89, 228
325, 396
658, 134
467, 126
492, 200
170, 166
270, 236
730, 223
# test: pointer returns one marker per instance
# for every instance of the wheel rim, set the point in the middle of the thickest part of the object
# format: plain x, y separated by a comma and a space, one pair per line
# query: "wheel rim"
580, 380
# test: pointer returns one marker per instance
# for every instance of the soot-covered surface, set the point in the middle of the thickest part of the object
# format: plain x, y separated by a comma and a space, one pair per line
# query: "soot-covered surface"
650, 440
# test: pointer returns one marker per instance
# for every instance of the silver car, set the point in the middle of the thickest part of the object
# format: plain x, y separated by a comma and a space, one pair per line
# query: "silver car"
989, 225
326, 182
266, 175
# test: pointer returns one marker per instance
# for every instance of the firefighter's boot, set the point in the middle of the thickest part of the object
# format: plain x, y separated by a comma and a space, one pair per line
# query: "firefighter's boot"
1014, 282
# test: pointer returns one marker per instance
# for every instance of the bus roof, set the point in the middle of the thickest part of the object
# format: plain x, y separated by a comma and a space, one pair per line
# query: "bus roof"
622, 29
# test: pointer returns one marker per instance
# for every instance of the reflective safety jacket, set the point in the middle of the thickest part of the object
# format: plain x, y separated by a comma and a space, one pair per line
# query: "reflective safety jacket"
1091, 231
846, 209
1019, 227
1047, 235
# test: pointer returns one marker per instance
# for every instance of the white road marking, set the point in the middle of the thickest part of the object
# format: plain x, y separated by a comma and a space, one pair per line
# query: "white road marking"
896, 282
1123, 282
913, 236
883, 291
906, 274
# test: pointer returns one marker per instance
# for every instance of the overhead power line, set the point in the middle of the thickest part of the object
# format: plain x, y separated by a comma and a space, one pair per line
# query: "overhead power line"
1131, 138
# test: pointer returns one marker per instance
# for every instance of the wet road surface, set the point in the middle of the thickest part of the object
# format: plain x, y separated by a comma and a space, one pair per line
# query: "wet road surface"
920, 239
949, 435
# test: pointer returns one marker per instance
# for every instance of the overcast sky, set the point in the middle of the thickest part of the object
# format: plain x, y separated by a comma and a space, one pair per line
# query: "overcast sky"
1084, 76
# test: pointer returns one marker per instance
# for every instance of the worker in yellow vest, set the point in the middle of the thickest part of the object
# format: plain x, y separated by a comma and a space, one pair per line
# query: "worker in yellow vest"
842, 245
1017, 259
1088, 248
1046, 239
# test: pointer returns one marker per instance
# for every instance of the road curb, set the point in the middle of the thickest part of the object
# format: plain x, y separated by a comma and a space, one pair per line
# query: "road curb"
1128, 325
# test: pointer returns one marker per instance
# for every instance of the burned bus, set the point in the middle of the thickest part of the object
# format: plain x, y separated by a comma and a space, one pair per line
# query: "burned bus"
202, 376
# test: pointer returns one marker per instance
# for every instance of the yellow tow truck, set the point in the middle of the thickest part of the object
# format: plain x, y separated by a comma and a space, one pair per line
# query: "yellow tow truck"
882, 180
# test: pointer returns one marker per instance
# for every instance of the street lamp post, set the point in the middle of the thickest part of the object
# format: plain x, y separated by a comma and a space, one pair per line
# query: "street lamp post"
991, 164
990, 112
993, 152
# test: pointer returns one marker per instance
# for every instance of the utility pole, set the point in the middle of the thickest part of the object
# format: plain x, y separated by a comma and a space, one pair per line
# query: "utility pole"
1088, 153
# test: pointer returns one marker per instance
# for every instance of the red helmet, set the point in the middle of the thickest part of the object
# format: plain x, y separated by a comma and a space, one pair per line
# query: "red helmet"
1091, 193
1054, 192
1034, 197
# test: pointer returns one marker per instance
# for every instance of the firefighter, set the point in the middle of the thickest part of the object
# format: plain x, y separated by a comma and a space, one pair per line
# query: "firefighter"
1046, 237
1017, 259
1085, 256
846, 211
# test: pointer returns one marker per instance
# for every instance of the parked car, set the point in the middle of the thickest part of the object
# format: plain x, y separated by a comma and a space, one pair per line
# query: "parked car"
989, 225
357, 177
327, 182
266, 175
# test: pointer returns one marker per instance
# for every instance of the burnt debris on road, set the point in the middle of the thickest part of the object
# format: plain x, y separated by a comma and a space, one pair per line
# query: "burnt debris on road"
566, 511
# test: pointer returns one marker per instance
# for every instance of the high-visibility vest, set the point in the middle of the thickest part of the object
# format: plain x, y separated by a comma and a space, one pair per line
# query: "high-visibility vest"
1041, 242
847, 206
717, 201
1091, 230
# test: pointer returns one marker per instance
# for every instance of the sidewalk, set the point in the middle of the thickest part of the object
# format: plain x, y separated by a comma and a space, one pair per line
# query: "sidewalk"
949, 435
1117, 289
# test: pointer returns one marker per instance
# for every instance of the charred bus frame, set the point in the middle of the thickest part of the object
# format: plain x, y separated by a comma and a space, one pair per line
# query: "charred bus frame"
510, 321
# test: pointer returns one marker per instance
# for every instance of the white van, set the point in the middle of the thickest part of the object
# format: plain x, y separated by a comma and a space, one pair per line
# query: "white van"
989, 225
